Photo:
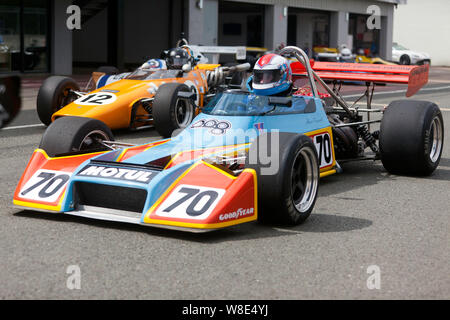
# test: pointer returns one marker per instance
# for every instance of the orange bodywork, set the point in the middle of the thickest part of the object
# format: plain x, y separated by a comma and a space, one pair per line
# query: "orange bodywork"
238, 204
117, 115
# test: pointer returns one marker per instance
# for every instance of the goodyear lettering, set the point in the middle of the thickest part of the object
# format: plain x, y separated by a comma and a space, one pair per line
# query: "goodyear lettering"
237, 214
141, 176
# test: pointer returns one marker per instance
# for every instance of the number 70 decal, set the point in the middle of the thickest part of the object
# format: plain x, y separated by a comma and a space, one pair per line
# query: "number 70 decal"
190, 202
324, 149
45, 185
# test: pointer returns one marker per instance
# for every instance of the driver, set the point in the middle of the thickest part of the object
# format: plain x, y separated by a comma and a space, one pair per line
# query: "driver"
176, 58
272, 76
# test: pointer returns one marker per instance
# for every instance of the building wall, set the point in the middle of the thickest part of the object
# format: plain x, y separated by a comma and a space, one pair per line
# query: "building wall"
146, 34
90, 44
233, 18
354, 6
61, 40
424, 26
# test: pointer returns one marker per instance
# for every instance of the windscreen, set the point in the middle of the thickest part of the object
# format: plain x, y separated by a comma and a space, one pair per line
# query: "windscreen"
154, 75
246, 104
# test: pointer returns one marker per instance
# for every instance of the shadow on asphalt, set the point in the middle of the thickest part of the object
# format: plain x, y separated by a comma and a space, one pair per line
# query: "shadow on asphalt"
356, 175
444, 163
317, 223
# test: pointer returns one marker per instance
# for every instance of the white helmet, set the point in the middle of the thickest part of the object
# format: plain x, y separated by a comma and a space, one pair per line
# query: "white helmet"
271, 75
154, 65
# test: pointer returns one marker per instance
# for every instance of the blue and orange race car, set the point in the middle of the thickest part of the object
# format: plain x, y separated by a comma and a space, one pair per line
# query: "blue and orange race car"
244, 158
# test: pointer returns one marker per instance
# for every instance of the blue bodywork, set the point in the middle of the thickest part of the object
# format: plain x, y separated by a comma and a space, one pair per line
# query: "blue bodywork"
243, 125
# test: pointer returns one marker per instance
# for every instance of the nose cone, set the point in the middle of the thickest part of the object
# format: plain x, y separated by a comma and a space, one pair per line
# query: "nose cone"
111, 104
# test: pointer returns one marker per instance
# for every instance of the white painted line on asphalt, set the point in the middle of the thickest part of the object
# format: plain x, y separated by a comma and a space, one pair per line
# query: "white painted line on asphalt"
24, 127
399, 91
445, 109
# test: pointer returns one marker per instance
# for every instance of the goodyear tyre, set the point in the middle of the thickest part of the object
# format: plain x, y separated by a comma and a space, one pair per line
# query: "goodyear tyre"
54, 94
171, 113
411, 137
286, 194
75, 134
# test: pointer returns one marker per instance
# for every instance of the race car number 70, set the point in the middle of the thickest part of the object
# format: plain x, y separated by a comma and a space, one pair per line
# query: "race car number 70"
45, 185
190, 202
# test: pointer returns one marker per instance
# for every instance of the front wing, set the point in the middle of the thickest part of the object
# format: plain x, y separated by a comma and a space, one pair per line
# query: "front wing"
202, 198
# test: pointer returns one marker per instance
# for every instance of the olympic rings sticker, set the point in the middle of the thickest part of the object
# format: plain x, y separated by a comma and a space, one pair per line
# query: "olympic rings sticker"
215, 127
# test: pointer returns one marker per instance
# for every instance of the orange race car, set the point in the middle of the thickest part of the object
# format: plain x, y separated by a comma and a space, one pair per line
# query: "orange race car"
166, 94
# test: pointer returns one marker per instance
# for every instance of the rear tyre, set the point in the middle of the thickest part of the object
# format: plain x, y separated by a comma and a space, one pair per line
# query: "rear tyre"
412, 137
54, 94
108, 70
74, 134
288, 196
171, 113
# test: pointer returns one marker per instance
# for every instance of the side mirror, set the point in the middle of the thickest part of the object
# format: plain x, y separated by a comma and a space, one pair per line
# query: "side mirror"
10, 102
281, 101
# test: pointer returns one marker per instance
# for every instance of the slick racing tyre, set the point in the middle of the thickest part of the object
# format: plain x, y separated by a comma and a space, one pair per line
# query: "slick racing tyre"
411, 137
54, 94
287, 195
170, 112
75, 134
108, 70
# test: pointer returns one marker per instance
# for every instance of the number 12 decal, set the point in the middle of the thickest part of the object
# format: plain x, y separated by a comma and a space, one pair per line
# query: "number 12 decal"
96, 99
190, 202
324, 149
45, 185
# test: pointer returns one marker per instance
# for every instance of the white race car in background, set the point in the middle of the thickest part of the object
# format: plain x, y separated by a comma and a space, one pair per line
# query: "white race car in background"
405, 56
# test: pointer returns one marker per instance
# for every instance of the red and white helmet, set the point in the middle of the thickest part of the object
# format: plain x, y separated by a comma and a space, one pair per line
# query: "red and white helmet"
272, 75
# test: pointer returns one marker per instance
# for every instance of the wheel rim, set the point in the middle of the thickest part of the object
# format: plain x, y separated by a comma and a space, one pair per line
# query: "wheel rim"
64, 99
93, 140
436, 139
304, 180
183, 113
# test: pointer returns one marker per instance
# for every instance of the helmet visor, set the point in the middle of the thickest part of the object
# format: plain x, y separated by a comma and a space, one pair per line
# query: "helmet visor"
178, 61
266, 76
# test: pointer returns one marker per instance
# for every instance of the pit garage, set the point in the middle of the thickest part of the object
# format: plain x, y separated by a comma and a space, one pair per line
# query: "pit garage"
360, 37
241, 24
308, 29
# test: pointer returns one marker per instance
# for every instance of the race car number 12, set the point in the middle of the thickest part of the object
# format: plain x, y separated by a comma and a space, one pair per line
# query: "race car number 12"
98, 99
190, 202
45, 186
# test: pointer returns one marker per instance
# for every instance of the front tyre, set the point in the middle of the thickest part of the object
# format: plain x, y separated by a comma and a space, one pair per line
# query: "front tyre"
170, 112
54, 94
74, 134
412, 137
289, 195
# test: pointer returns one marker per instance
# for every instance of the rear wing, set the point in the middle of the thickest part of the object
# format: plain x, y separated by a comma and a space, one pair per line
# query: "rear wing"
216, 51
414, 76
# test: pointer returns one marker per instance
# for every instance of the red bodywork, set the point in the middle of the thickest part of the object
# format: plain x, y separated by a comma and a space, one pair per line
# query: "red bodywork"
414, 76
